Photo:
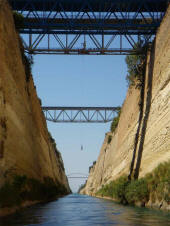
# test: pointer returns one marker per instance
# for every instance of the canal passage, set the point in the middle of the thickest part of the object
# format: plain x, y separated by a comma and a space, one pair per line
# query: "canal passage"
80, 210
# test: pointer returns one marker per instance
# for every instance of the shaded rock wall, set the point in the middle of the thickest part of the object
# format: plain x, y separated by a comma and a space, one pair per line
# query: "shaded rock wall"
143, 134
25, 145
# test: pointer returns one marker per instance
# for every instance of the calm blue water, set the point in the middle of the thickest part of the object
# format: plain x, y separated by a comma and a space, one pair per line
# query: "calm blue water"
79, 210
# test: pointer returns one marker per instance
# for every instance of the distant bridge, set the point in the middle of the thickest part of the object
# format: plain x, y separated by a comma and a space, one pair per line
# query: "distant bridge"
80, 114
77, 176
93, 27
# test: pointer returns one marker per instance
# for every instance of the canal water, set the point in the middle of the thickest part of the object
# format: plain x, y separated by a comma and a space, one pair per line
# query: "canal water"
80, 210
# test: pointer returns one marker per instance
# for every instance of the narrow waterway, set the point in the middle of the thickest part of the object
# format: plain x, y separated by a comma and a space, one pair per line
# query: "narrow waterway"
79, 210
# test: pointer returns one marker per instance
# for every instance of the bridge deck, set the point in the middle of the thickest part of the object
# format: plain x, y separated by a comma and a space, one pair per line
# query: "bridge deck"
96, 5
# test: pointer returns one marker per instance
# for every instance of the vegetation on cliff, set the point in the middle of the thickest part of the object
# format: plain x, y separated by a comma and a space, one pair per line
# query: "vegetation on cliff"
21, 188
90, 167
136, 66
155, 186
27, 60
109, 139
18, 20
115, 121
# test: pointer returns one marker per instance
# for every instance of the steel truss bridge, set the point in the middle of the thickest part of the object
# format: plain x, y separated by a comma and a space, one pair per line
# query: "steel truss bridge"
80, 114
77, 176
111, 27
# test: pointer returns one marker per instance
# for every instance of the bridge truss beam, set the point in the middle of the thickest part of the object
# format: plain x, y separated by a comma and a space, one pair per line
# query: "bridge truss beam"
80, 114
88, 26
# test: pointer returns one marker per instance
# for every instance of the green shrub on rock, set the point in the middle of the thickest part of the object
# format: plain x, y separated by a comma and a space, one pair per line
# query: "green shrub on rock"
22, 188
155, 186
115, 189
9, 196
18, 20
115, 121
119, 188
159, 182
137, 191
136, 65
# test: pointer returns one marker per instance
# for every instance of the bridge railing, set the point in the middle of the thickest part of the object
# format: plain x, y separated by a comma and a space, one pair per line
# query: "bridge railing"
101, 16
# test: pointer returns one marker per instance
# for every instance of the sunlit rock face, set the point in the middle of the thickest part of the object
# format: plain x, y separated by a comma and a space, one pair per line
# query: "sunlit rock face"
25, 145
153, 128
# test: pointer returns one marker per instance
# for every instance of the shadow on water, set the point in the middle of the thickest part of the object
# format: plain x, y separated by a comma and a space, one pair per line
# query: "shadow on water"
79, 210
143, 116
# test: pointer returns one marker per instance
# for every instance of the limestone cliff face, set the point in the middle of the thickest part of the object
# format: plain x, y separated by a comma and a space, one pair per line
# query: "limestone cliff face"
25, 145
143, 133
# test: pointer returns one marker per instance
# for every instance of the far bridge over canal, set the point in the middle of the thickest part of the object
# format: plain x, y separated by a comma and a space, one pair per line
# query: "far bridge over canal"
77, 176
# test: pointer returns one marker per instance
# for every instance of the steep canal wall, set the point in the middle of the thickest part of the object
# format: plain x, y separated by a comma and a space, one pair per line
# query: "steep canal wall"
26, 148
142, 139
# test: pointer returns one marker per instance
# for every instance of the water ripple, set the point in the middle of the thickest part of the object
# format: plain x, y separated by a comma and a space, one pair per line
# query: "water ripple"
78, 210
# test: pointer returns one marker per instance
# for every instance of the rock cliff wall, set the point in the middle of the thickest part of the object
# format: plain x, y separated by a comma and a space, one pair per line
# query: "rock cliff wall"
142, 138
25, 145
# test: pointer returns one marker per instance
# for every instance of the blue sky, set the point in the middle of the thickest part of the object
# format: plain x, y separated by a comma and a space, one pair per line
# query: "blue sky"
79, 81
